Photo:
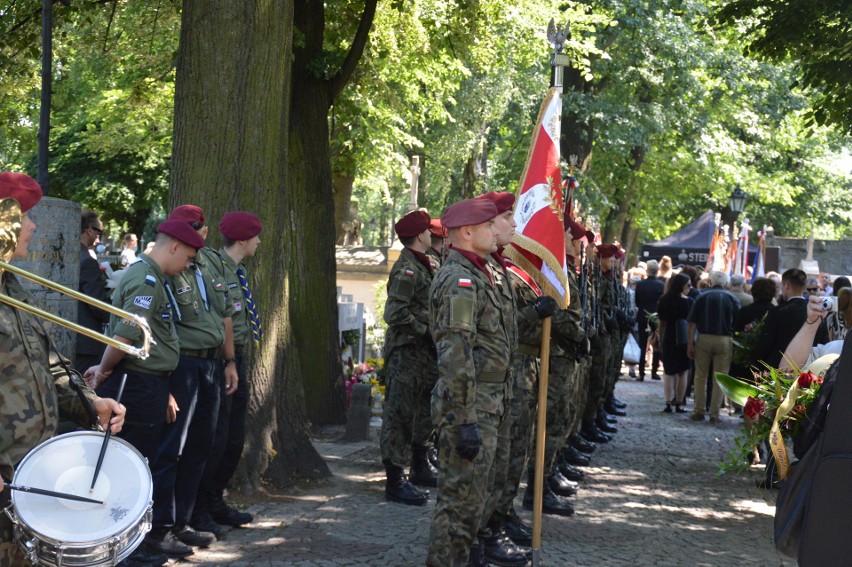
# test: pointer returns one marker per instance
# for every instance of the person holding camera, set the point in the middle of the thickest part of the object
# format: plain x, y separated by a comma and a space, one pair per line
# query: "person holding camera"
802, 351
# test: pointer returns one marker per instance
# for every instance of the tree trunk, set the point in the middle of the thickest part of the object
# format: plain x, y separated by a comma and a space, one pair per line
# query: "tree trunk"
230, 153
617, 217
342, 180
576, 129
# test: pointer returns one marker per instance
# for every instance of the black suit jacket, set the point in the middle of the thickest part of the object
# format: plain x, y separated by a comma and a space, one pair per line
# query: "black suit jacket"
93, 284
782, 324
648, 293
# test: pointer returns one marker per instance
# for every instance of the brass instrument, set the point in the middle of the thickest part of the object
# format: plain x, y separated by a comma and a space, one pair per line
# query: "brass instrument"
10, 232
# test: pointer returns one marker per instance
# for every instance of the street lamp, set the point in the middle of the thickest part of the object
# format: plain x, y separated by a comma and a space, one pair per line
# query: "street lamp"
737, 200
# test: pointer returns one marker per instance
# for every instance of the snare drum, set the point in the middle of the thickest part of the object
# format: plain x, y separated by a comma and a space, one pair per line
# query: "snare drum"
56, 533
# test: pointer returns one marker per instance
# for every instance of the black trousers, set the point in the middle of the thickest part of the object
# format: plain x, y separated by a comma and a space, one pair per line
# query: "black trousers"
644, 336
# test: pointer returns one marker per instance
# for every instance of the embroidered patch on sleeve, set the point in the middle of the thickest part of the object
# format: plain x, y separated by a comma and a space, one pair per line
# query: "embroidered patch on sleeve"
465, 282
150, 280
143, 301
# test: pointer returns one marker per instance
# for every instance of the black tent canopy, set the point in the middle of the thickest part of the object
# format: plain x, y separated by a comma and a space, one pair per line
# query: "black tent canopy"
689, 245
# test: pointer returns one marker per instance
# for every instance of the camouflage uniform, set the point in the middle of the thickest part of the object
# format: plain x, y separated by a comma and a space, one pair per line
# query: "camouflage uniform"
474, 336
410, 360
601, 359
524, 401
35, 392
577, 399
619, 300
506, 294
567, 334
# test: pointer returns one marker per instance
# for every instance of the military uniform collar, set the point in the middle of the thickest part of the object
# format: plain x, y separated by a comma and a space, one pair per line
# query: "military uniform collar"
151, 264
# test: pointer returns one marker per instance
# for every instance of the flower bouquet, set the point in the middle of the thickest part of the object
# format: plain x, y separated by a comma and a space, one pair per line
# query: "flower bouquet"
364, 373
776, 402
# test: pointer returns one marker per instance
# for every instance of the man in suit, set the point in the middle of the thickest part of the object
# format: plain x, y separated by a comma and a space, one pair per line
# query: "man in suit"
784, 321
648, 293
93, 284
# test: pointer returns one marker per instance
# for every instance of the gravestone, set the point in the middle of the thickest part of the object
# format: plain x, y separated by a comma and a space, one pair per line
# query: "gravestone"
360, 412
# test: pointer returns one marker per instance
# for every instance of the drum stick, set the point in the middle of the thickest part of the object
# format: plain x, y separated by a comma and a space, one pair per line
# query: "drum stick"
107, 435
44, 492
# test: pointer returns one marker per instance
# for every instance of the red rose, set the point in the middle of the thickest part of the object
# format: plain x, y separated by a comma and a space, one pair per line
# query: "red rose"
753, 408
805, 379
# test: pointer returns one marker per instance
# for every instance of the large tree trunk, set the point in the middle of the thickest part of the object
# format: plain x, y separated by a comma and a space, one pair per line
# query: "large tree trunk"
230, 153
576, 128
624, 198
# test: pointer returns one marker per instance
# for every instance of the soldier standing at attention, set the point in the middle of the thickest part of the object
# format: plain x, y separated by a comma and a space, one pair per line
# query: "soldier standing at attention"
439, 234
411, 368
474, 341
241, 237
511, 449
35, 389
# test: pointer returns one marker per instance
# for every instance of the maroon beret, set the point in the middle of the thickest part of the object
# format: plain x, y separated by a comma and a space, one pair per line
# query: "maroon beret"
412, 224
578, 231
619, 253
503, 200
469, 212
590, 236
607, 250
240, 225
182, 231
437, 229
21, 187
189, 213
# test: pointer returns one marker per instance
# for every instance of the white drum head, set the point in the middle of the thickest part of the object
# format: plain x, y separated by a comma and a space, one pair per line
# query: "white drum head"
66, 464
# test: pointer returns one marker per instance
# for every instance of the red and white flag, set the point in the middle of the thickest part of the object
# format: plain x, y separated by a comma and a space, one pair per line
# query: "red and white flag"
539, 242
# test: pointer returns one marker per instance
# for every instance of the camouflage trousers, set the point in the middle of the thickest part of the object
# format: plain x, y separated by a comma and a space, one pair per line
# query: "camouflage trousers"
619, 340
579, 394
521, 415
559, 387
597, 378
463, 487
411, 373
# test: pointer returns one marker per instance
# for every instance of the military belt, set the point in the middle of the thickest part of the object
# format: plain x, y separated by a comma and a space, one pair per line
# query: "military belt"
529, 350
208, 353
492, 377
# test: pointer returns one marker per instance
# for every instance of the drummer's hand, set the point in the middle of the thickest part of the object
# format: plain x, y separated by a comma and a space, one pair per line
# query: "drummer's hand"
94, 376
105, 408
231, 379
172, 410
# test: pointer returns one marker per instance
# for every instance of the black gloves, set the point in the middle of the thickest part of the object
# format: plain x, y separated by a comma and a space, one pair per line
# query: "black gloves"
469, 441
545, 306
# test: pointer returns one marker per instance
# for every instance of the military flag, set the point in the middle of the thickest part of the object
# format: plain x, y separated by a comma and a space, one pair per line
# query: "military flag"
538, 245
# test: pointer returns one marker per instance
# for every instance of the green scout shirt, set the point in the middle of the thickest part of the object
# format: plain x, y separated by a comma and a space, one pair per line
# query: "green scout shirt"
475, 336
34, 388
224, 270
407, 307
199, 327
211, 266
142, 291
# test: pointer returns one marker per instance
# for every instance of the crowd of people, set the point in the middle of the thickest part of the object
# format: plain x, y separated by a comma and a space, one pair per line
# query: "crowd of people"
183, 407
689, 322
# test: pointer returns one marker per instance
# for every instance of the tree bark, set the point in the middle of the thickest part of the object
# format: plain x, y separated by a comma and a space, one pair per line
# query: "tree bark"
230, 153
577, 132
618, 216
311, 223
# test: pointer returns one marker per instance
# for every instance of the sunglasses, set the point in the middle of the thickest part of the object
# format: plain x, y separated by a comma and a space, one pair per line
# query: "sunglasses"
98, 231
196, 225
812, 288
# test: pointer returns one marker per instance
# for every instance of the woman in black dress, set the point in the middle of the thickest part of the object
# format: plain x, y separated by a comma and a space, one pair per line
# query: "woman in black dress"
674, 305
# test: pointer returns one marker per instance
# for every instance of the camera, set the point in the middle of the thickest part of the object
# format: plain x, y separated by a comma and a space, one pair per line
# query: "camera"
827, 303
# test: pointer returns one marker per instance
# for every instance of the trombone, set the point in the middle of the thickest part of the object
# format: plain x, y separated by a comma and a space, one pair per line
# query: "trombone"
10, 232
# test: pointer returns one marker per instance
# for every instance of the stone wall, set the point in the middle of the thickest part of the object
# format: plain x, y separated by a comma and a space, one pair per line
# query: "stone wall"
833, 256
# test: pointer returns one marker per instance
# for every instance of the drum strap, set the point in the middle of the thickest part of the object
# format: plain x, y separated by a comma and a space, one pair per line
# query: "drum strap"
74, 378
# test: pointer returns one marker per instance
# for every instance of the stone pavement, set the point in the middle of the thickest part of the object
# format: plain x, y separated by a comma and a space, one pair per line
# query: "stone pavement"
652, 497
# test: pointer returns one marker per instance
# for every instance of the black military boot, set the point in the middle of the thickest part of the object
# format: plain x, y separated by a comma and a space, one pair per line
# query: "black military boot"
570, 472
591, 432
500, 550
550, 503
582, 444
226, 515
605, 425
613, 409
202, 522
561, 485
517, 530
618, 403
399, 489
477, 555
573, 456
422, 471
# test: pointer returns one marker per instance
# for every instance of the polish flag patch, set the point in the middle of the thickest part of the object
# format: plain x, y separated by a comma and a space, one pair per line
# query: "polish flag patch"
464, 282
409, 272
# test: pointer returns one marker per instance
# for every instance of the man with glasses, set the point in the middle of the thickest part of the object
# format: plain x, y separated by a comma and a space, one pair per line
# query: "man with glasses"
92, 283
812, 287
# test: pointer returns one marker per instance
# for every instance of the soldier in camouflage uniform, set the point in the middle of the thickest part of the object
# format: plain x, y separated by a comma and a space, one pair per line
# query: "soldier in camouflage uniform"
411, 365
474, 343
439, 234
35, 389
512, 444
612, 354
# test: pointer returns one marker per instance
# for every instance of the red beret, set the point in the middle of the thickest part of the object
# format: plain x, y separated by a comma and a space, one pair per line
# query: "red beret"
437, 229
578, 231
590, 236
619, 253
468, 213
189, 213
607, 250
503, 200
240, 225
21, 187
412, 224
182, 231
